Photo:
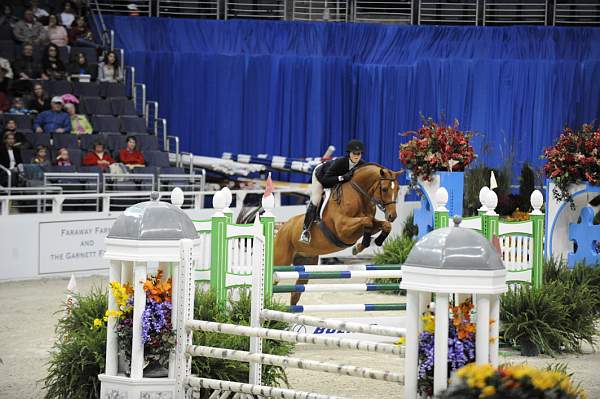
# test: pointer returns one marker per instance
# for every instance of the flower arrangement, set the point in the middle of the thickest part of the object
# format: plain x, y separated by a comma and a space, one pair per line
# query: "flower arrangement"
511, 381
158, 336
573, 159
461, 344
436, 147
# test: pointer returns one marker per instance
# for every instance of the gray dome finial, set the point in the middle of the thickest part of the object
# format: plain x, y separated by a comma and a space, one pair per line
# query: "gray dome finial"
154, 196
457, 219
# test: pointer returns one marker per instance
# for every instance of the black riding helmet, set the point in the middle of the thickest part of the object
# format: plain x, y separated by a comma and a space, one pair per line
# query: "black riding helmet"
355, 146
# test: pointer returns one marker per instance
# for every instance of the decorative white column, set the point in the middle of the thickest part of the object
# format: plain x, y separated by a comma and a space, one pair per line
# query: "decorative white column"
482, 334
495, 329
139, 304
440, 367
411, 359
112, 344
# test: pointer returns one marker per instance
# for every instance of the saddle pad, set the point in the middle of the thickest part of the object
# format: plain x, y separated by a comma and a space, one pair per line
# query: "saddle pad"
326, 196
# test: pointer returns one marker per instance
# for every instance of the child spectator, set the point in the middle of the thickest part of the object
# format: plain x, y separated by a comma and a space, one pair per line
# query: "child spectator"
79, 66
79, 122
130, 155
18, 107
63, 158
41, 156
99, 157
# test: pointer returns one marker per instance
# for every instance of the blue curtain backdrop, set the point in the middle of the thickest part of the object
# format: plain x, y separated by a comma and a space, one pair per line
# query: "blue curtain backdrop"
291, 88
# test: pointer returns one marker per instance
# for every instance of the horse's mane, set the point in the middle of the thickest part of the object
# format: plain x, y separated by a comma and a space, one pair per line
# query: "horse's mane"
336, 192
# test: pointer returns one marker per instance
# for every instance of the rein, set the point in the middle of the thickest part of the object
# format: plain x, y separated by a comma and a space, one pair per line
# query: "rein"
372, 199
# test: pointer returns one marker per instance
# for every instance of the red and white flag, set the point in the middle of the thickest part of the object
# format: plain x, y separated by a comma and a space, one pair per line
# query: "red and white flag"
268, 186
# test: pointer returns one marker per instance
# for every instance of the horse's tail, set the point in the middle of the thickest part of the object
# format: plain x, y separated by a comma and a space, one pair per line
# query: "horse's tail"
248, 214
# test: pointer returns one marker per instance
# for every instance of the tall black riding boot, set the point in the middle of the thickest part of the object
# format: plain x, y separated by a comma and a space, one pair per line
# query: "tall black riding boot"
309, 218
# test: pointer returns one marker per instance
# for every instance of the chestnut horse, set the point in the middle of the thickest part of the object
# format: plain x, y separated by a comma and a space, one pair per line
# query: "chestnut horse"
349, 215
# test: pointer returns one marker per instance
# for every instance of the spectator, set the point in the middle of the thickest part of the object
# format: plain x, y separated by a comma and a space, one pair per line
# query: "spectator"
6, 74
99, 157
63, 158
57, 34
41, 156
7, 21
80, 34
25, 67
79, 123
79, 66
110, 69
68, 15
10, 125
30, 30
38, 12
130, 155
10, 158
53, 120
52, 67
40, 101
18, 107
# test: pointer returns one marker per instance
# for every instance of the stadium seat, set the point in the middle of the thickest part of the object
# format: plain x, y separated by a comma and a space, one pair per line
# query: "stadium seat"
110, 90
114, 141
95, 106
7, 49
147, 142
86, 141
41, 139
157, 158
133, 124
86, 89
64, 140
146, 170
63, 54
123, 107
90, 169
60, 169
24, 122
105, 123
58, 87
27, 155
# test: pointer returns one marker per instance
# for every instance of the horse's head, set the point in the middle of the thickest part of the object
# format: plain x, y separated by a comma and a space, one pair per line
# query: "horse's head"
387, 194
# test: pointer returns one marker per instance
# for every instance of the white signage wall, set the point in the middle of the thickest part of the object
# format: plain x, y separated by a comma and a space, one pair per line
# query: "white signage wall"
73, 246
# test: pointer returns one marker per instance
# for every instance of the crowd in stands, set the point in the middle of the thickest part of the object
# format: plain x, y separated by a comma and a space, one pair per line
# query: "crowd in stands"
63, 102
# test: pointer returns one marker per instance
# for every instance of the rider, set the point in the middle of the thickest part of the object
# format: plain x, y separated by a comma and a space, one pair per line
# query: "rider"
327, 175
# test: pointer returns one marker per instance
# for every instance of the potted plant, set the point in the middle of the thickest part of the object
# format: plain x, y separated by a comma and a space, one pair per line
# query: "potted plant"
158, 336
436, 147
574, 159
480, 381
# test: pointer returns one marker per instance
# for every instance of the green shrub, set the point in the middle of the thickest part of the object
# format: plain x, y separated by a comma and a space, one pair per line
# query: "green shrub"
475, 179
78, 355
526, 187
410, 229
582, 273
558, 317
395, 251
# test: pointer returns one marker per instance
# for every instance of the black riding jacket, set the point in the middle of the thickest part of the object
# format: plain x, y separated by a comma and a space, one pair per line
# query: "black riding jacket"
329, 171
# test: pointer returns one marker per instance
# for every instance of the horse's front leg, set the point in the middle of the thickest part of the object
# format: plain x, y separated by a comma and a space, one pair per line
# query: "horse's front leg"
350, 229
386, 229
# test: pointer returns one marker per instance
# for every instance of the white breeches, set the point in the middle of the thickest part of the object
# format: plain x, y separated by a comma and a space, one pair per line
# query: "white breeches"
316, 189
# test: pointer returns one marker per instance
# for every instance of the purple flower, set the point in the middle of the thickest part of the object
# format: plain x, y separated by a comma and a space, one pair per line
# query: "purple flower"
155, 319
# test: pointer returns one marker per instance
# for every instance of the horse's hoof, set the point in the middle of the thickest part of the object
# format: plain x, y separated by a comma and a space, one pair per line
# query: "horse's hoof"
356, 250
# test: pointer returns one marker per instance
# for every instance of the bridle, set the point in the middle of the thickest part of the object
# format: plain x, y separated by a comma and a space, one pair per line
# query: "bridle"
372, 199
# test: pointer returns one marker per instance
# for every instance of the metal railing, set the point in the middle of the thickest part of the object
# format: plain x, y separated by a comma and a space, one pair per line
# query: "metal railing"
443, 12
127, 183
576, 12
188, 8
261, 9
110, 201
76, 183
125, 7
39, 205
320, 10
398, 11
513, 12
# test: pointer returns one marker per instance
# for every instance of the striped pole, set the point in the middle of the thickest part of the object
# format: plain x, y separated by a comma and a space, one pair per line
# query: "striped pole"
279, 276
278, 289
349, 326
250, 389
294, 362
334, 268
289, 336
366, 307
